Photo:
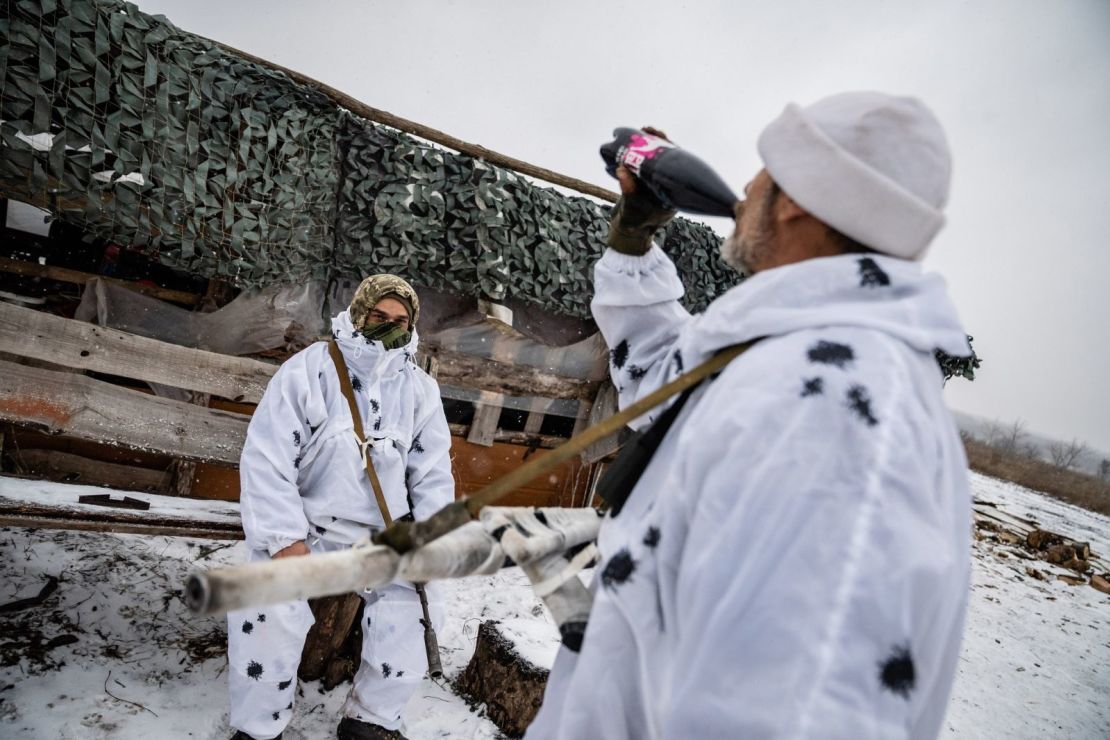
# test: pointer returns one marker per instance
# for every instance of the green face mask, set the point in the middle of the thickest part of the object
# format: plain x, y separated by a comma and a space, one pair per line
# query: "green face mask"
392, 336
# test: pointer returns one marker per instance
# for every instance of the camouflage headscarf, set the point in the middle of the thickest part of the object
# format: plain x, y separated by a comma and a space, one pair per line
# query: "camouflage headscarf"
372, 290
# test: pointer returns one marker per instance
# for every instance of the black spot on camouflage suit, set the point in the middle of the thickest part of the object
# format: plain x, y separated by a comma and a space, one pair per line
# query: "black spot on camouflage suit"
296, 438
375, 406
297, 462
378, 424
416, 446
651, 539
386, 670
254, 670
247, 628
283, 685
678, 364
813, 387
261, 618
618, 570
860, 402
871, 275
321, 530
897, 673
356, 383
619, 354
400, 673
831, 353
636, 372
276, 715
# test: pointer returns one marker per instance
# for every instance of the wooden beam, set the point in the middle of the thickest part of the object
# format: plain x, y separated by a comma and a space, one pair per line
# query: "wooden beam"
426, 132
59, 508
76, 344
119, 527
85, 408
524, 439
57, 465
65, 275
468, 371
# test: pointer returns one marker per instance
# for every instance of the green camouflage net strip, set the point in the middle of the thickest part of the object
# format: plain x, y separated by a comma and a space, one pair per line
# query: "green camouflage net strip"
140, 133
452, 222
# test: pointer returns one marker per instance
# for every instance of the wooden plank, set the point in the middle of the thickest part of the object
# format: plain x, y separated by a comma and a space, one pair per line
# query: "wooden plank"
76, 344
81, 407
169, 530
24, 503
534, 420
467, 371
426, 132
604, 406
55, 465
182, 472
65, 275
522, 439
487, 412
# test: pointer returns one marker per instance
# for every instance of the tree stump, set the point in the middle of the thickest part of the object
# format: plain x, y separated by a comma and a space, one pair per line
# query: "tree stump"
510, 686
332, 650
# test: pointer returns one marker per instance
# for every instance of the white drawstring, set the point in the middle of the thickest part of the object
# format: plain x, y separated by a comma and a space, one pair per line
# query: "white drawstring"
364, 447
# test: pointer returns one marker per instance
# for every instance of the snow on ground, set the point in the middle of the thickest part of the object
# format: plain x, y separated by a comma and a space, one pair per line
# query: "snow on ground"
1036, 655
113, 653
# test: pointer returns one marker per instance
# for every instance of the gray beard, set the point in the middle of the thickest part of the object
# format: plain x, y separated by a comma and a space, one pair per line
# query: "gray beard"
732, 252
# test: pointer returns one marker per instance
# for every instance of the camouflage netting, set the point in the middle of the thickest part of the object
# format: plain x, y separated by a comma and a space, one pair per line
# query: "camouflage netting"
140, 133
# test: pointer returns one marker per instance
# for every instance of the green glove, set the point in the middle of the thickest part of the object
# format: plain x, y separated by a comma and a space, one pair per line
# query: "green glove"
636, 218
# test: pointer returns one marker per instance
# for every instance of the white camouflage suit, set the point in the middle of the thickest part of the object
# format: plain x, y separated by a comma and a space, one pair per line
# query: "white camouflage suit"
303, 478
794, 561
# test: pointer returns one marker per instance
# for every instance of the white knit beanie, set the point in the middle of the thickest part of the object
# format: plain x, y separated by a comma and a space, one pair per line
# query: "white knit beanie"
874, 167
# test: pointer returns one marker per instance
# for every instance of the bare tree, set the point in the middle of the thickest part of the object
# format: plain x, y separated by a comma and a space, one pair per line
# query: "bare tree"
1066, 454
1030, 450
1104, 469
1006, 438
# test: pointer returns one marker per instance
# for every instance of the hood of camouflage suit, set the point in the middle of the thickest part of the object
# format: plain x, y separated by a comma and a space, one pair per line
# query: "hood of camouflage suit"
373, 289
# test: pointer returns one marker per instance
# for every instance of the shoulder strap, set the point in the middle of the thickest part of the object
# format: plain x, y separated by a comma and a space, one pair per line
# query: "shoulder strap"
349, 394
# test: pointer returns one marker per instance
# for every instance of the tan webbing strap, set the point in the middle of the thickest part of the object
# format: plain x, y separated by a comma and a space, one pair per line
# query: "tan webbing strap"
349, 394
409, 535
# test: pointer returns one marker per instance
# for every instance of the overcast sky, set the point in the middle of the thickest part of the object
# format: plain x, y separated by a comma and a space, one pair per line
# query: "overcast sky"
1022, 87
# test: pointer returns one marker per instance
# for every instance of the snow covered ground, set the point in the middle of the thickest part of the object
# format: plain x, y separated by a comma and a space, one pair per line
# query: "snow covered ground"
113, 653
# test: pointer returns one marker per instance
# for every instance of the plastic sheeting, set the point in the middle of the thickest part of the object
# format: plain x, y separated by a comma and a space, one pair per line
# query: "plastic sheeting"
291, 317
280, 316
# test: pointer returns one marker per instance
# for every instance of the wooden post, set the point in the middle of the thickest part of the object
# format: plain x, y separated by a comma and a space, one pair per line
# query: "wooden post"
486, 415
324, 655
498, 676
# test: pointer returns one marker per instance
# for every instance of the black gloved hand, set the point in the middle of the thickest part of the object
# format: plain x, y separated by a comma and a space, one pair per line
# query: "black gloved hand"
636, 217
